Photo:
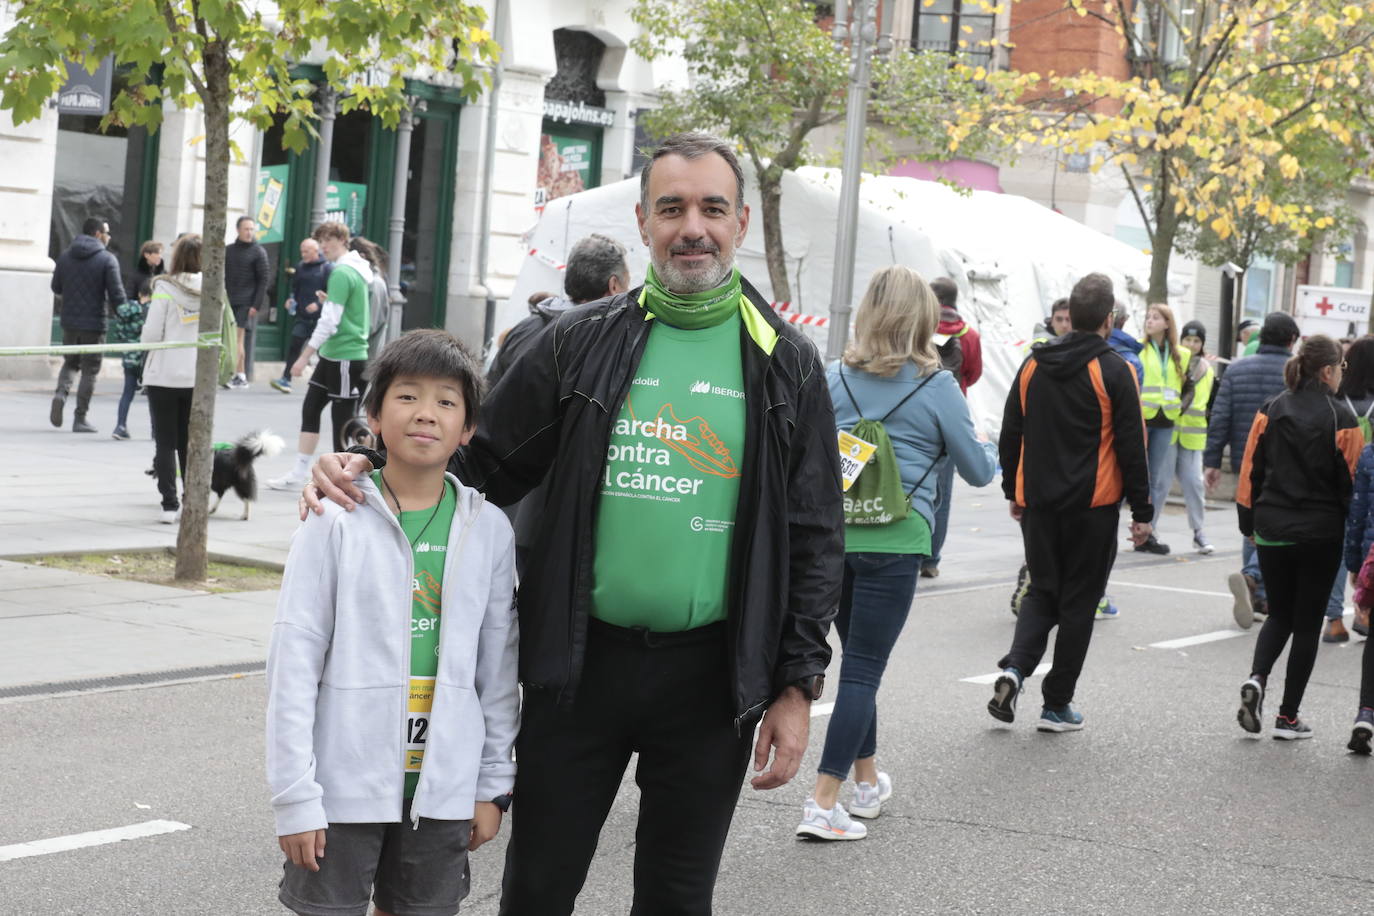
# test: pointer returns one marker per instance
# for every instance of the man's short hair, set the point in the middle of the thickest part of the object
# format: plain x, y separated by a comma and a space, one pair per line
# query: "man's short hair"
1279, 330
332, 230
946, 292
1120, 315
693, 146
1091, 302
92, 225
428, 353
591, 264
1059, 305
238, 223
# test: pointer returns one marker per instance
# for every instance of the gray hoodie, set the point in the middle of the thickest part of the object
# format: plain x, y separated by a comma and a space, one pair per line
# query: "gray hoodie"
338, 670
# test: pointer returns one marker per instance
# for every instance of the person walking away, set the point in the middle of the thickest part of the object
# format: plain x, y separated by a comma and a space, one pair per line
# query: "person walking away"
439, 576
671, 418
1072, 445
340, 338
892, 371
1292, 498
1126, 346
378, 296
169, 376
148, 265
961, 352
86, 277
1190, 432
1247, 333
128, 328
1161, 403
245, 280
1243, 390
1357, 393
308, 279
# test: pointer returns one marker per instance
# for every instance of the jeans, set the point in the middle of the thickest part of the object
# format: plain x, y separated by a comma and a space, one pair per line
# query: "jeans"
171, 412
1335, 602
1299, 586
1250, 566
1188, 470
876, 597
126, 397
293, 353
1161, 454
87, 363
666, 696
944, 495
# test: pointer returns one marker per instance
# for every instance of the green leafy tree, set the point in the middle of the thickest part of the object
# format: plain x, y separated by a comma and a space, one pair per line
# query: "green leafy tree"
232, 59
766, 75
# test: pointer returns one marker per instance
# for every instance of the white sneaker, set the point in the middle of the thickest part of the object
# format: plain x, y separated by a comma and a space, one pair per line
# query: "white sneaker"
291, 481
238, 382
170, 516
834, 824
868, 800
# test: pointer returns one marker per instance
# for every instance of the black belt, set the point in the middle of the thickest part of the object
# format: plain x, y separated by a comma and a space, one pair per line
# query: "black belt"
653, 639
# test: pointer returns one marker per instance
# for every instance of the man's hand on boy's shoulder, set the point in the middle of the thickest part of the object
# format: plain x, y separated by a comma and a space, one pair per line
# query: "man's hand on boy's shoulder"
331, 477
303, 848
486, 822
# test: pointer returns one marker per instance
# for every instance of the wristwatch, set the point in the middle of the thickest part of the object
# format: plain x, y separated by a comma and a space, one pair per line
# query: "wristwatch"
503, 801
378, 462
812, 687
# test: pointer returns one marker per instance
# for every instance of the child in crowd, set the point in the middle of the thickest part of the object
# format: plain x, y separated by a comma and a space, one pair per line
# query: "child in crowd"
127, 327
392, 696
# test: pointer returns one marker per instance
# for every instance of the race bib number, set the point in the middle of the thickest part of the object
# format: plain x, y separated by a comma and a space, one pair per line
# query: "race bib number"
418, 707
854, 455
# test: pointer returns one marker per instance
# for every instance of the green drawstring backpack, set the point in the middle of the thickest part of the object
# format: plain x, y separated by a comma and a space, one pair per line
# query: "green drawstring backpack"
876, 496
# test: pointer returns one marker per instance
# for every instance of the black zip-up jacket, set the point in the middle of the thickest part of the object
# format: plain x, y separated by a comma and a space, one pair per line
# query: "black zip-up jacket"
245, 274
552, 413
1296, 478
87, 279
1072, 436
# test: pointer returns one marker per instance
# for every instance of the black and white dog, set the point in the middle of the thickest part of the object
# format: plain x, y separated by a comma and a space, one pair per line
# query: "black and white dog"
233, 468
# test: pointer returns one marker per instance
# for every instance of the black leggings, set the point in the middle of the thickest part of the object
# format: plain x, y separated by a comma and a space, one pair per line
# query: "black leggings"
341, 410
170, 409
1298, 582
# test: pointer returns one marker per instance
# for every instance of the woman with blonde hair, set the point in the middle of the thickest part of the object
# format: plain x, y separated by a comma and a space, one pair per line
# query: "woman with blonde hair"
890, 374
1161, 403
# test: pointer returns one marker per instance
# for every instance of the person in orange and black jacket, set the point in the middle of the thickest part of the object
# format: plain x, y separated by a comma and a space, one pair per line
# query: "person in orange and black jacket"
1072, 445
1292, 498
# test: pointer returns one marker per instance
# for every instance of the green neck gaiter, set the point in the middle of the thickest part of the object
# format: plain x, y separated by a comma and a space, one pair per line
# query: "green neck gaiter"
692, 311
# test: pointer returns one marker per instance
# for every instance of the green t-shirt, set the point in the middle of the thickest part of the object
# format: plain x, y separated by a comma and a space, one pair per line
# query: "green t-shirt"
1253, 346
910, 535
671, 483
427, 531
348, 288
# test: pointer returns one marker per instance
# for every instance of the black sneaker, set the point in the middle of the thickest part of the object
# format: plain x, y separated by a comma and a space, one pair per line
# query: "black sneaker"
1153, 545
1019, 593
1294, 729
1005, 690
1251, 705
79, 425
1363, 732
55, 411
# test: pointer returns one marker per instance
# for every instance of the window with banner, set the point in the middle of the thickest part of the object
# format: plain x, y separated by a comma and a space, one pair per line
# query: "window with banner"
569, 160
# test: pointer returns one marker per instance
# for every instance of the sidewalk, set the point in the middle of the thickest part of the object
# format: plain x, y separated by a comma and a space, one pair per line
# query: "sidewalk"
64, 493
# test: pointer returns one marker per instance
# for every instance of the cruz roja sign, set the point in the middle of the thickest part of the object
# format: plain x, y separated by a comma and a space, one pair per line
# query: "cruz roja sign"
1333, 311
86, 93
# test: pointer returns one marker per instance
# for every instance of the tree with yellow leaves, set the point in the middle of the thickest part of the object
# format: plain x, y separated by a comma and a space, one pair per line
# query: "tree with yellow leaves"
1224, 106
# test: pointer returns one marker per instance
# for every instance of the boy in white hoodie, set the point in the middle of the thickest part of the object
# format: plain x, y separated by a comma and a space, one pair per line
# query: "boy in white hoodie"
392, 695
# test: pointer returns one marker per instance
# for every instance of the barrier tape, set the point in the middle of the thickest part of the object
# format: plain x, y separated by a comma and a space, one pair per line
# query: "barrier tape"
207, 343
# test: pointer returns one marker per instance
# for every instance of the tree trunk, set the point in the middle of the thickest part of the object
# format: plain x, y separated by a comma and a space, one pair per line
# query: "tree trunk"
192, 556
770, 198
1166, 229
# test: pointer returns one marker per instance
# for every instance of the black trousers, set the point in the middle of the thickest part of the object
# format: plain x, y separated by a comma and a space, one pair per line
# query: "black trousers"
171, 412
670, 703
88, 364
1070, 555
1297, 582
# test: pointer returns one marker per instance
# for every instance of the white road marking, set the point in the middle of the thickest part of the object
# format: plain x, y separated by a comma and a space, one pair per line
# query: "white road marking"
1214, 636
93, 838
821, 709
1169, 588
931, 591
1041, 670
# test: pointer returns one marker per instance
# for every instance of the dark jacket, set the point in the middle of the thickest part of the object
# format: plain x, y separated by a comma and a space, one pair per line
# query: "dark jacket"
141, 274
1359, 525
519, 338
1295, 480
1247, 384
560, 400
1072, 435
245, 274
87, 279
1128, 348
310, 277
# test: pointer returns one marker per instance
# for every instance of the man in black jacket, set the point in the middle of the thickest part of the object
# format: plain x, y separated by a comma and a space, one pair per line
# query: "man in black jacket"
87, 279
685, 581
245, 282
1066, 465
308, 278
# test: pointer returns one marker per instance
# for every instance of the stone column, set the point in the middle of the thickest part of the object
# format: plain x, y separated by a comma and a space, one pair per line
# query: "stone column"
326, 106
397, 225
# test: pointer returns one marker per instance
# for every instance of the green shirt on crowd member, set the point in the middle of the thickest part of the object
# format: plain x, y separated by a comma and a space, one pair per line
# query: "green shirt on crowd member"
910, 535
670, 488
348, 288
427, 531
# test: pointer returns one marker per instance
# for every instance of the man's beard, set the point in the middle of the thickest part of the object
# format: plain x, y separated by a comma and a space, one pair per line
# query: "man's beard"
698, 280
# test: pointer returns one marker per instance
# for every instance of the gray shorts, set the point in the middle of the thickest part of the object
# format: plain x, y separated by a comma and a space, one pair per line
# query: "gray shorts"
404, 871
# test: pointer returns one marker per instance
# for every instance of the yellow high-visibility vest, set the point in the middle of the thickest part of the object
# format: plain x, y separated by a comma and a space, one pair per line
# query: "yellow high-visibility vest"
1190, 431
1163, 386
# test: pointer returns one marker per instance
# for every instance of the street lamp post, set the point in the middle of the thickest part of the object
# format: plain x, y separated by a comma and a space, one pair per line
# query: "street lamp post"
863, 41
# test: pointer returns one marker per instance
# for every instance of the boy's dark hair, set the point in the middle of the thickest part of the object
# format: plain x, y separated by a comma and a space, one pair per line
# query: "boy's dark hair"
431, 353
1279, 330
1091, 301
92, 225
945, 291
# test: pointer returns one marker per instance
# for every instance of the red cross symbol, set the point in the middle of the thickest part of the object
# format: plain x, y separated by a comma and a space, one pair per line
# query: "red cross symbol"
1325, 306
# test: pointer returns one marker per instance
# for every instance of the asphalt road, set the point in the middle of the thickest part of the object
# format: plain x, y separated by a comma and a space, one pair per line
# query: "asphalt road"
1160, 805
